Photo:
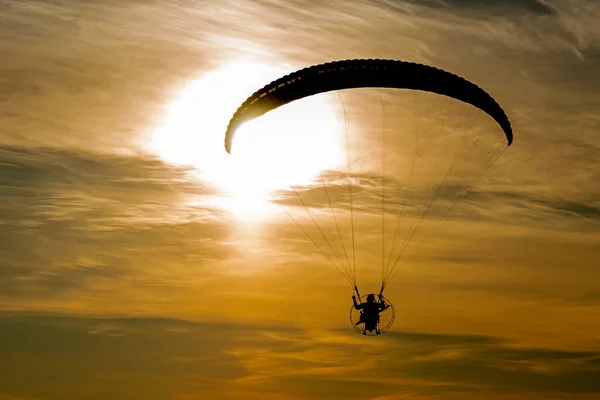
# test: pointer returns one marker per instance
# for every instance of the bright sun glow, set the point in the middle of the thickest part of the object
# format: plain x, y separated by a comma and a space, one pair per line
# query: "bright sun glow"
288, 146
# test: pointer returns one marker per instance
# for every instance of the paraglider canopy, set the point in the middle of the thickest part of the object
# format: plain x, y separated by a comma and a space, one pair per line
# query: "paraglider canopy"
349, 74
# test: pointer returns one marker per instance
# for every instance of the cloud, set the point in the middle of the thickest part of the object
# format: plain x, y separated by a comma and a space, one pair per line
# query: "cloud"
80, 357
532, 209
533, 26
499, 366
489, 7
165, 357
73, 220
71, 186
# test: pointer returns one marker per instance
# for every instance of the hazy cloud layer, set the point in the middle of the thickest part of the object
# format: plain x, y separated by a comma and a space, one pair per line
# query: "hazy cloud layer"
157, 358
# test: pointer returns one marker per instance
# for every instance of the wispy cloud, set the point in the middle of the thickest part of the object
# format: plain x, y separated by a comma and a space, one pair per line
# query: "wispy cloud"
74, 220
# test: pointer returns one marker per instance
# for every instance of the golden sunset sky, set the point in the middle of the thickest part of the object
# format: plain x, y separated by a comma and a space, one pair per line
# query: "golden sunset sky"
139, 260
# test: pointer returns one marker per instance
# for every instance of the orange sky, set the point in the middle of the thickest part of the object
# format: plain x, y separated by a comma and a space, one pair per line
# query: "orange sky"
140, 260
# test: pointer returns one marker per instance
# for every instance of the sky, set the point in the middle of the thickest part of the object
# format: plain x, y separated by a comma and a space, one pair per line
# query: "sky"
140, 260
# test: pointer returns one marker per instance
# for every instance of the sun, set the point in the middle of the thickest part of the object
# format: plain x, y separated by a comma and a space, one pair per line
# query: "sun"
288, 146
